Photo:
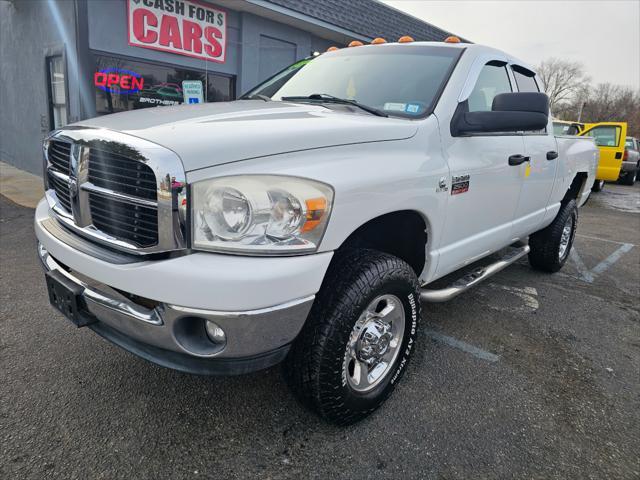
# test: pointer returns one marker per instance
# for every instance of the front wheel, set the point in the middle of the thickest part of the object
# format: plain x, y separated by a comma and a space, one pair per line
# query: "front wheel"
598, 185
359, 336
550, 246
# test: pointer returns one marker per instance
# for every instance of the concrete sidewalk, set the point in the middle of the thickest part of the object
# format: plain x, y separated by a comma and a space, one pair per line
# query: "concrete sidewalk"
20, 187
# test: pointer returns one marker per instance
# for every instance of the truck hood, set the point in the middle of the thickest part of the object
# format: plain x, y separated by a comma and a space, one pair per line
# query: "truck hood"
211, 134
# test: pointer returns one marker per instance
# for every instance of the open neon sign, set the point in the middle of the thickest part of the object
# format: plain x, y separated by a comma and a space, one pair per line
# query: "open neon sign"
118, 80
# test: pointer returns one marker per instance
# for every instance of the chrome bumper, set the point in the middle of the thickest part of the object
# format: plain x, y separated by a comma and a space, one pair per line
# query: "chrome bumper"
174, 336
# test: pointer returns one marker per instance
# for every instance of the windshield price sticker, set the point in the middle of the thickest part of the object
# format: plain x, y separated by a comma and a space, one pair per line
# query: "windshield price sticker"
395, 107
413, 108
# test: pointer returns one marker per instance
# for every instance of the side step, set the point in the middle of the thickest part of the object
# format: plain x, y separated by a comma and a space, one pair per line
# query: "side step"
475, 277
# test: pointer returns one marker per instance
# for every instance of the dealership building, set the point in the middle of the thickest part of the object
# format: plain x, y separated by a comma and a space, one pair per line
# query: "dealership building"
62, 61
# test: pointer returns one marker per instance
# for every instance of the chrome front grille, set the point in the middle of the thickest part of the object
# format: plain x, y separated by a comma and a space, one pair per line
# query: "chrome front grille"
116, 189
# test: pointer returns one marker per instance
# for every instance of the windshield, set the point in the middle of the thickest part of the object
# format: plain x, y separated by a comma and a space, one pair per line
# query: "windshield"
629, 143
399, 80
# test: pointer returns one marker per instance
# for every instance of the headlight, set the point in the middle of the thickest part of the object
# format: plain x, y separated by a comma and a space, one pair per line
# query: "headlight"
260, 214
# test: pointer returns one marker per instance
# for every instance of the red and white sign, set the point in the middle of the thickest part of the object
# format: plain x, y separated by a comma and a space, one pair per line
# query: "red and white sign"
185, 27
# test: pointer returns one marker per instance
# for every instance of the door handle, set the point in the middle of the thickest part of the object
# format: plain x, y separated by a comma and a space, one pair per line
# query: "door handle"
552, 155
518, 159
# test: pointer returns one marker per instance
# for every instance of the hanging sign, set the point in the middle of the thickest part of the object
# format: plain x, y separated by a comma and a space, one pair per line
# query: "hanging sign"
117, 80
184, 27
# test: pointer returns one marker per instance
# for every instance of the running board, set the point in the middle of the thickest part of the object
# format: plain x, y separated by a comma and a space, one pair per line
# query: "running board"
475, 277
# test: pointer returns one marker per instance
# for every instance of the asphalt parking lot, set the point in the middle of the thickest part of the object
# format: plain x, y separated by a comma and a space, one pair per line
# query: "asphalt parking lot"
527, 376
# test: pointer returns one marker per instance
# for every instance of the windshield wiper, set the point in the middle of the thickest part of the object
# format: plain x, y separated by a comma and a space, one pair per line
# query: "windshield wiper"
326, 98
256, 96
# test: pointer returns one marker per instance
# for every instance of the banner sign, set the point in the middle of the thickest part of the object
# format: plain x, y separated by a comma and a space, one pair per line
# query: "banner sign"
185, 27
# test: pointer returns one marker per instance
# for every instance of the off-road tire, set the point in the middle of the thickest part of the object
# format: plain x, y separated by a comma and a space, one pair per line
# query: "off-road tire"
314, 368
598, 186
545, 244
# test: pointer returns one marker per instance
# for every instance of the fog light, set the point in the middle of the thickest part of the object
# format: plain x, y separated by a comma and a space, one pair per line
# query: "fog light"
215, 333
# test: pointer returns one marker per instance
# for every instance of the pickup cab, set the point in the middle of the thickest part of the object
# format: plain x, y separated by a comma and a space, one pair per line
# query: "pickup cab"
307, 223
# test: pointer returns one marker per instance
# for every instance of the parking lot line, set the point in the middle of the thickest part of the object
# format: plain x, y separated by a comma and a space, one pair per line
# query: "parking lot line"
590, 275
603, 239
611, 259
580, 266
464, 346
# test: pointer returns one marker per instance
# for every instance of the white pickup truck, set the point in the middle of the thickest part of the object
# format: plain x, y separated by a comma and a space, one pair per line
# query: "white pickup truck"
306, 222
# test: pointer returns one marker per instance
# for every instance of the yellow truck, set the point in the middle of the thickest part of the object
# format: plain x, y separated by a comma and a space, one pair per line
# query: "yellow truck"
610, 139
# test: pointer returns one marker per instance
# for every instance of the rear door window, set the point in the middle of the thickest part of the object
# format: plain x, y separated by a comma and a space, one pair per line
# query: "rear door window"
525, 79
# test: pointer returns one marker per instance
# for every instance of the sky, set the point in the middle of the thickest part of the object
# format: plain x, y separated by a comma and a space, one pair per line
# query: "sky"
604, 35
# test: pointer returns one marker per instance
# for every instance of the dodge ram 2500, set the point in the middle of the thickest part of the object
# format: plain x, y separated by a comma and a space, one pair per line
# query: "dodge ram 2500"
307, 222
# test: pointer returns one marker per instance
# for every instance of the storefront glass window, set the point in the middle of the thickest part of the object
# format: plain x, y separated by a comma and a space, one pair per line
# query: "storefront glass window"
57, 92
121, 84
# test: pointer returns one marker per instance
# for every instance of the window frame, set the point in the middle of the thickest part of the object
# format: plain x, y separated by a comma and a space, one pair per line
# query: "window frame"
96, 53
617, 135
51, 104
513, 68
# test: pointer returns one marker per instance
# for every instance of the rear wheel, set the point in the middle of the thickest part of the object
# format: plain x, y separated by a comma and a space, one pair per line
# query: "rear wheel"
550, 247
598, 185
629, 177
359, 336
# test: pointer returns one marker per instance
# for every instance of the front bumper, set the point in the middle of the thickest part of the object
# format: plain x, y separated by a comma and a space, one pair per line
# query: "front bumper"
136, 310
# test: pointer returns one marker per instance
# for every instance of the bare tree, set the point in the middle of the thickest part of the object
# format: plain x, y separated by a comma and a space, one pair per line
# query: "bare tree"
562, 80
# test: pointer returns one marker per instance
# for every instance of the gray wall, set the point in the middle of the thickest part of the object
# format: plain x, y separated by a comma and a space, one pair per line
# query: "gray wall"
267, 47
31, 30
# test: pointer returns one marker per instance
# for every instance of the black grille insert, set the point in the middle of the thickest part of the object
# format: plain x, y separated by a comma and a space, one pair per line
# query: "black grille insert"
121, 174
61, 187
134, 223
59, 154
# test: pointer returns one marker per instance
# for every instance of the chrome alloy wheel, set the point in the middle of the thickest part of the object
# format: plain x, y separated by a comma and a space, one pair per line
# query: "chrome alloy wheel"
374, 343
565, 239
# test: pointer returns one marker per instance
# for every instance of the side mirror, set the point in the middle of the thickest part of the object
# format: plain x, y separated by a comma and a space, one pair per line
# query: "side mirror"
510, 112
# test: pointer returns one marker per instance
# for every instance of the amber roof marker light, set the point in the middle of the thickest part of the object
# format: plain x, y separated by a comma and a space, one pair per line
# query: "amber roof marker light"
406, 39
332, 49
356, 43
378, 41
452, 39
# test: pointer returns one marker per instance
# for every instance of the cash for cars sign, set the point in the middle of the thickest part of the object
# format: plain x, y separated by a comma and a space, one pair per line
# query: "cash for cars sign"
185, 27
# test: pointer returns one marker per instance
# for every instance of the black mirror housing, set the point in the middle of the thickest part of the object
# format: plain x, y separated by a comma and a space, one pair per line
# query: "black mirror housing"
510, 112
